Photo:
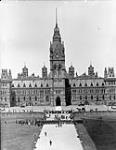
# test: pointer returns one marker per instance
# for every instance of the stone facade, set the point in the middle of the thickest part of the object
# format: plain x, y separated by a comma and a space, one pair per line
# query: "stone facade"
58, 87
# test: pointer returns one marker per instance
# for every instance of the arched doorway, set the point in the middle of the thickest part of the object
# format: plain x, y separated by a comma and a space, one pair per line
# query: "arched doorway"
58, 101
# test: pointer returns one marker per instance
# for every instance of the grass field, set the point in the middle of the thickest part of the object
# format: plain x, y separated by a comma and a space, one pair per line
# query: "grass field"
16, 136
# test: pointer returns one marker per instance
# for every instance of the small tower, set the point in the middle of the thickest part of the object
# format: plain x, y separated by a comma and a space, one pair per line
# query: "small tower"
25, 72
91, 70
105, 73
110, 72
71, 71
44, 72
6, 80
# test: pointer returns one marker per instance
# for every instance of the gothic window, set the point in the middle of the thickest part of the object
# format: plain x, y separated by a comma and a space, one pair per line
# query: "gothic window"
86, 97
24, 85
35, 98
5, 99
91, 97
41, 85
114, 97
60, 66
24, 98
80, 97
110, 97
97, 98
47, 85
47, 98
30, 98
18, 99
41, 94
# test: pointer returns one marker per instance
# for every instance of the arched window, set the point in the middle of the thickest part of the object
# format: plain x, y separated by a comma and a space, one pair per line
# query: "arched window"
47, 85
41, 85
103, 97
35, 85
35, 98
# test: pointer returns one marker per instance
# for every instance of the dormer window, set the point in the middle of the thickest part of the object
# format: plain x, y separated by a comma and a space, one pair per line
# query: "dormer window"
97, 84
80, 84
102, 84
24, 85
12, 85
18, 85
74, 85
30, 85
91, 84
85, 84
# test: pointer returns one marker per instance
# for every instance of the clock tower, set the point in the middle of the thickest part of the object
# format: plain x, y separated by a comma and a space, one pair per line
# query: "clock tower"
57, 54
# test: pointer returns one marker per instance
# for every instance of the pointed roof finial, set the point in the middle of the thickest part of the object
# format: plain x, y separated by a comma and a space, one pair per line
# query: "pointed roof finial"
56, 18
90, 63
24, 64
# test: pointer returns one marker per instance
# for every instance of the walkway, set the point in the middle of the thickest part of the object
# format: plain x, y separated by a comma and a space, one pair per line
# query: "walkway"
62, 137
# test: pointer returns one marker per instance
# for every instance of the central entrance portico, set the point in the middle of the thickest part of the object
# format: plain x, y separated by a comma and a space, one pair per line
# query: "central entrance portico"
58, 101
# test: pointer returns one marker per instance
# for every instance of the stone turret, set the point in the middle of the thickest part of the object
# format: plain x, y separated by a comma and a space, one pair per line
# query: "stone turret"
44, 72
91, 70
71, 71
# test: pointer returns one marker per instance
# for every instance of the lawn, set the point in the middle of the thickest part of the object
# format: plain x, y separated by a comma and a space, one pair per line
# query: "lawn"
16, 136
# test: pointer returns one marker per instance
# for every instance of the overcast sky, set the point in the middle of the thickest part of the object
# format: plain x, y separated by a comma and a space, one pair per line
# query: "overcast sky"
87, 28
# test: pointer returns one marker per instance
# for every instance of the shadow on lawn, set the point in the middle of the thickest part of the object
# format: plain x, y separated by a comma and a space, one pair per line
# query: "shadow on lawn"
103, 133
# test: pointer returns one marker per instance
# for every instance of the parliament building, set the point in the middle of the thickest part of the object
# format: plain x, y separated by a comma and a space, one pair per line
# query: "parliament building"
58, 87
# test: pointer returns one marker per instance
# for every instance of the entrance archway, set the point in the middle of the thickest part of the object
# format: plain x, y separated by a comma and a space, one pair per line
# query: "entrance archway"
58, 101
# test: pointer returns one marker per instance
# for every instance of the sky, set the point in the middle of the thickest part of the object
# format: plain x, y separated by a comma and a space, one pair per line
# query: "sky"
88, 29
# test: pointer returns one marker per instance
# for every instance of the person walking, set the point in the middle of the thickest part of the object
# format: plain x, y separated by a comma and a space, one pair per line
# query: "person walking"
45, 133
50, 143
